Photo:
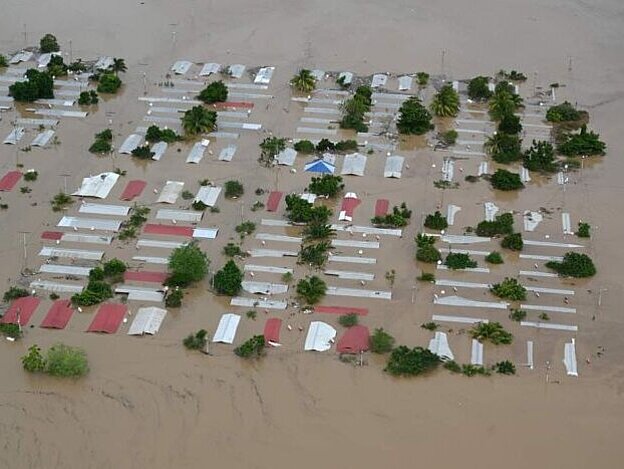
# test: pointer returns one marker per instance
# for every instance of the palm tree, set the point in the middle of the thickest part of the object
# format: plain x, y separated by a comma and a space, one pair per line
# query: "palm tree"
119, 65
303, 81
503, 103
316, 230
198, 120
446, 102
311, 289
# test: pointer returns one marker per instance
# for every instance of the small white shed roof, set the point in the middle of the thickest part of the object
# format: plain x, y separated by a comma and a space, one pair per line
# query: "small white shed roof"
439, 345
354, 164
226, 330
158, 150
405, 83
97, 186
209, 69
394, 166
181, 67
42, 138
264, 75
147, 321
103, 209
320, 336
236, 70
197, 152
346, 77
379, 80
208, 195
130, 143
170, 192
227, 153
264, 288
90, 223
286, 157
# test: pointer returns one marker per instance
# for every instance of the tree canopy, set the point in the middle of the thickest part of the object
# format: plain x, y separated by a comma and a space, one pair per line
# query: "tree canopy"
446, 102
574, 264
478, 89
493, 332
504, 148
436, 221
509, 289
404, 361
302, 211
108, 83
563, 112
215, 92
48, 43
540, 157
311, 289
228, 280
303, 81
327, 185
199, 120
504, 180
584, 143
187, 265
38, 85
414, 118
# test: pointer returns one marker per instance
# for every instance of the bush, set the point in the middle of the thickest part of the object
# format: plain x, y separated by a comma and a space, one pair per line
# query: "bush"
100, 147
198, 120
509, 289
231, 250
583, 143
446, 102
493, 332
423, 78
33, 361
473, 370
302, 211
156, 134
108, 83
199, 206
504, 180
196, 341
228, 280
114, 268
315, 255
513, 242
13, 293
3, 61
304, 146
563, 112
327, 185
187, 264
56, 67
494, 258
346, 145
505, 368
303, 81
87, 98
96, 292
436, 221
143, 152
504, 148
430, 326
97, 273
38, 85
174, 299
311, 289
315, 230
414, 118
270, 147
449, 137
584, 230
13, 331
426, 251
426, 277
404, 361
325, 145
353, 110
510, 124
65, 361
399, 217
233, 189
48, 43
574, 265
215, 92
504, 101
457, 261
381, 341
540, 157
478, 89
253, 347
245, 228
502, 224
60, 201
348, 320
517, 315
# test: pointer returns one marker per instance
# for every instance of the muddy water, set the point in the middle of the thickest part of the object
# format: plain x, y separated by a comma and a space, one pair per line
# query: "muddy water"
147, 402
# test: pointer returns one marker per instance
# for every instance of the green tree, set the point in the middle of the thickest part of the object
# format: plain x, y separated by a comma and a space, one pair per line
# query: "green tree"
504, 180
317, 230
56, 66
14, 293
494, 258
414, 117
233, 189
3, 61
584, 143
584, 230
504, 148
196, 341
199, 120
425, 249
228, 280
251, 348
458, 261
114, 268
348, 320
513, 242
108, 83
478, 89
311, 289
33, 361
381, 341
187, 265
38, 85
446, 102
65, 361
215, 92
174, 298
493, 332
517, 315
326, 185
48, 43
502, 224
156, 134
423, 79
119, 65
344, 146
510, 124
303, 81
540, 157
302, 211
574, 265
324, 145
563, 112
305, 146
509, 289
404, 361
315, 255
505, 368
436, 221
142, 152
271, 147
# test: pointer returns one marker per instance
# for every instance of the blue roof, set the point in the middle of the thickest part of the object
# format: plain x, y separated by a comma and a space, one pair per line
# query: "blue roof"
320, 166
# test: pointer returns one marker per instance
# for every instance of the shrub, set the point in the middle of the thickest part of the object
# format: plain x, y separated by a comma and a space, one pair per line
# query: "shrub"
270, 147
446, 102
13, 331
430, 326
449, 137
509, 289
187, 265
97, 273
399, 217
33, 361
473, 370
353, 110
233, 189
231, 250
426, 251
540, 157
381, 341
3, 61
96, 292
156, 134
199, 206
38, 85
325, 145
196, 341
303, 81
513, 242
574, 265
426, 277
517, 315
228, 280
87, 98
215, 92
584, 230
452, 366
108, 83
13, 293
48, 43
583, 143
502, 224
174, 299
245, 228
457, 261
327, 185
510, 124
315, 255
304, 146
563, 112
198, 120
315, 230
311, 289
114, 268
494, 258
478, 89
60, 201
65, 361
302, 211
513, 75
505, 368
504, 180
493, 332
414, 118
187, 195
143, 152
436, 221
348, 320
423, 78
287, 277
504, 101
544, 317
346, 145
404, 361
253, 347
504, 148
31, 176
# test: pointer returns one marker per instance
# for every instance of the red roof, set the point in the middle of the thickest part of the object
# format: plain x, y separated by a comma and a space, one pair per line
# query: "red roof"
9, 180
26, 306
381, 207
274, 200
133, 189
354, 340
349, 204
108, 318
54, 235
146, 276
234, 104
59, 315
272, 330
168, 230
340, 310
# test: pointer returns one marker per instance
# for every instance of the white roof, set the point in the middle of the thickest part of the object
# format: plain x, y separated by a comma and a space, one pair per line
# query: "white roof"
61, 112
15, 136
257, 302
352, 243
103, 209
354, 164
205, 233
141, 293
264, 288
439, 345
278, 238
130, 143
236, 70
569, 358
491, 209
227, 153
29, 121
459, 301
151, 259
272, 253
353, 259
86, 238
476, 354
197, 152
348, 275
394, 166
317, 74
320, 336
169, 194
147, 321
368, 230
90, 223
44, 59
209, 69
308, 197
264, 75
179, 215
286, 157
42, 138
359, 293
158, 149
181, 67
267, 268
379, 79
104, 63
226, 330
97, 186
156, 243
458, 319
56, 286
65, 269
208, 195
21, 56
347, 77
405, 83
48, 251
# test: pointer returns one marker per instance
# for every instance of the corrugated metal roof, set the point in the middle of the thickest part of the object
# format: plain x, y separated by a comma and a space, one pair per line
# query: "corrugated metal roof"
353, 260
394, 166
86, 238
140, 293
21, 56
359, 293
47, 251
179, 215
102, 209
278, 238
104, 63
227, 153
318, 74
147, 321
208, 195
236, 70
151, 260
229, 135
267, 268
159, 150
258, 303
271, 222
320, 337
61, 113
347, 275
197, 152
226, 330
272, 253
205, 233
42, 138
153, 243
64, 269
15, 136
209, 69
405, 83
162, 99
286, 157
439, 345
355, 244
239, 125
264, 288
56, 287
264, 75
181, 67
354, 164
130, 143
90, 223
379, 79
97, 186
345, 77
169, 194
368, 230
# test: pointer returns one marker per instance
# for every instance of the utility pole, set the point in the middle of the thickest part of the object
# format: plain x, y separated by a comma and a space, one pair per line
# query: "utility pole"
442, 61
25, 36
25, 260
569, 63
71, 54
65, 176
